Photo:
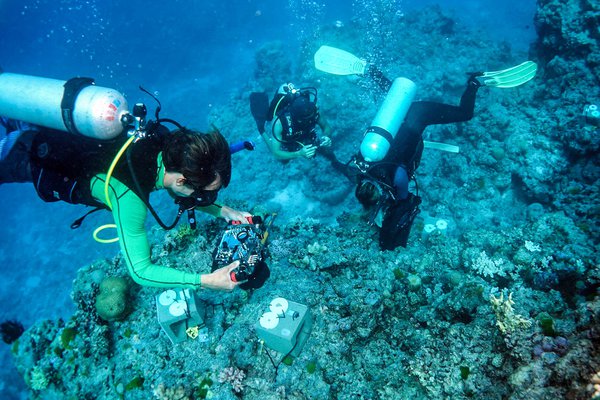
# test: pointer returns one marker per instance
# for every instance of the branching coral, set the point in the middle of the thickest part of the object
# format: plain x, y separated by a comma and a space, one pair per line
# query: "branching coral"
234, 376
486, 266
506, 319
38, 381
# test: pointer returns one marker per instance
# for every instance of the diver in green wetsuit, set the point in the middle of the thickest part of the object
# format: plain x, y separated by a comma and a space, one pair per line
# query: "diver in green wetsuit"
294, 118
74, 169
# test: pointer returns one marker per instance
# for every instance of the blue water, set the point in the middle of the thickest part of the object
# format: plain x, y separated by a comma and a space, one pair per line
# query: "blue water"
190, 53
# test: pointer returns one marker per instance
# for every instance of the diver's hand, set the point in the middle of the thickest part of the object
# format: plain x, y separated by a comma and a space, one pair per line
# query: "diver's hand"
308, 151
220, 279
325, 141
234, 215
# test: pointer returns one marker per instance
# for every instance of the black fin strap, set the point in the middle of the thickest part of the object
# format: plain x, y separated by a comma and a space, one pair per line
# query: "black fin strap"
72, 88
77, 223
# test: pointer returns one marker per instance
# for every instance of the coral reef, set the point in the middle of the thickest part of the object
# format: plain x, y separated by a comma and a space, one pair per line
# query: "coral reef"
434, 320
374, 334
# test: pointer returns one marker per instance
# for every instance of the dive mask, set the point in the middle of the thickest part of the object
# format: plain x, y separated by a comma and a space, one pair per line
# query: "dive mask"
204, 198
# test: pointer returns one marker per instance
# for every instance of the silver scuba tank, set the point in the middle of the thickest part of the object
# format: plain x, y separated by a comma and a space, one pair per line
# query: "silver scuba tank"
389, 118
84, 108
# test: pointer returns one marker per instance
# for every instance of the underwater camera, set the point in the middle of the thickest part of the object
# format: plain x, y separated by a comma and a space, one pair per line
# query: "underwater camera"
245, 242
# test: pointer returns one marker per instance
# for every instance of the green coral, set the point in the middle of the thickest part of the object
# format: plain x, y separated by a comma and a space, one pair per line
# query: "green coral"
398, 274
547, 324
464, 372
135, 383
38, 380
127, 333
288, 360
67, 336
111, 302
203, 389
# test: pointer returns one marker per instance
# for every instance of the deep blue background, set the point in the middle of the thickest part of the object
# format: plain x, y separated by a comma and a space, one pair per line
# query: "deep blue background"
189, 52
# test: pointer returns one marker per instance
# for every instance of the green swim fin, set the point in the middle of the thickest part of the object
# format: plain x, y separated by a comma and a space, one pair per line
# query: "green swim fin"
510, 77
338, 62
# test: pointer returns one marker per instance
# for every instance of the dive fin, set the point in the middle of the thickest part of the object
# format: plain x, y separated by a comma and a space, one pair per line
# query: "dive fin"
338, 62
441, 146
510, 77
259, 106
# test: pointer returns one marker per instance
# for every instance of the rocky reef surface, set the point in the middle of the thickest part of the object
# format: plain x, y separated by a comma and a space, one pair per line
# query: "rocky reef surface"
495, 297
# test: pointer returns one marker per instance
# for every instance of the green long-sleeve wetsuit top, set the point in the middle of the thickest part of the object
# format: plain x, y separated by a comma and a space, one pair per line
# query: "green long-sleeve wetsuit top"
129, 213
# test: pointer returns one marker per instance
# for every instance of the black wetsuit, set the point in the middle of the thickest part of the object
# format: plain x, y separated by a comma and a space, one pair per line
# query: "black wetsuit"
293, 136
61, 165
404, 156
400, 163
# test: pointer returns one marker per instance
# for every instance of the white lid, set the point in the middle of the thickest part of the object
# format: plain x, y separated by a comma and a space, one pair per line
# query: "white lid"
269, 320
167, 297
178, 308
279, 305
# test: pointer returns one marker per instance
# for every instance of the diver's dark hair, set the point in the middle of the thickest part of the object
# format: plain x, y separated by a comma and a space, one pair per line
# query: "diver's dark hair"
200, 157
367, 193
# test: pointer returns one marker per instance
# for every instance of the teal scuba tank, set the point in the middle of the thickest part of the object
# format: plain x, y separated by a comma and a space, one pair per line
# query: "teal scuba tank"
76, 106
379, 136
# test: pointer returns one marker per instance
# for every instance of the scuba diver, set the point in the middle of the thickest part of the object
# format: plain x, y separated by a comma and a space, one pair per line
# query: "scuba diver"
295, 116
117, 173
383, 185
392, 146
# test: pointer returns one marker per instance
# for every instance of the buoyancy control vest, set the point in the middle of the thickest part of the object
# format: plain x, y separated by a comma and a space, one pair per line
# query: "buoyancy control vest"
404, 154
63, 165
297, 112
292, 133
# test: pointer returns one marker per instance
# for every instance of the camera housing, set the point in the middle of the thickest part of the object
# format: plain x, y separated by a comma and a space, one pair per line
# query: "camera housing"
244, 241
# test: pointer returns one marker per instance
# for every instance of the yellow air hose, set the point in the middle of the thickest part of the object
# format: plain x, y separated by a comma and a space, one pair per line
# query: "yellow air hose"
100, 229
106, 186
112, 168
